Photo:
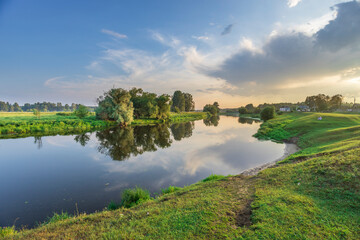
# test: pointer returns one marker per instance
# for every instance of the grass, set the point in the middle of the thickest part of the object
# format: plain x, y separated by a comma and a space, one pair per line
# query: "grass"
13, 125
7, 232
314, 194
23, 124
213, 177
174, 117
170, 189
56, 218
203, 210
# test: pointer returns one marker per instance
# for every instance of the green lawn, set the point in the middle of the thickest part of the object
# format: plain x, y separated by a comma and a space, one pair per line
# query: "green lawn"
314, 194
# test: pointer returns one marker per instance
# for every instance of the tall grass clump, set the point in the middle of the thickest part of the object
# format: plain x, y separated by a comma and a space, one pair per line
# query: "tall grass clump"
7, 231
57, 217
213, 177
132, 197
170, 189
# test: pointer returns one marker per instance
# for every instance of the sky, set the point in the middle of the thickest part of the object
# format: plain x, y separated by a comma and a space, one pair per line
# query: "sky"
231, 51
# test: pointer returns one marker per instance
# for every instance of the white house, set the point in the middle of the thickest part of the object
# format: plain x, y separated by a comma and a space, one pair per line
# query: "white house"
285, 109
303, 108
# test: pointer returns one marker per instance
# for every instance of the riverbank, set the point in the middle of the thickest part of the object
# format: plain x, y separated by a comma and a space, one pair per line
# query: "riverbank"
312, 194
15, 125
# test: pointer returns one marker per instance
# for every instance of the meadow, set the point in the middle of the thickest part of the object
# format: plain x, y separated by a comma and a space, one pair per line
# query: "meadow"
312, 194
23, 124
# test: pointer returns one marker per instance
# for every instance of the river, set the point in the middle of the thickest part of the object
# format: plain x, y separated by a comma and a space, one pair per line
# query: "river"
42, 175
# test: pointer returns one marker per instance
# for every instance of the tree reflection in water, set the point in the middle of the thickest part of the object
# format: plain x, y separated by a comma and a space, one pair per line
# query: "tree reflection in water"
248, 120
83, 139
120, 143
182, 130
212, 121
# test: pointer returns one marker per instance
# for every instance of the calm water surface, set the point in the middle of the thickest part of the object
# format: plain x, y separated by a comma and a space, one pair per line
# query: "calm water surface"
39, 176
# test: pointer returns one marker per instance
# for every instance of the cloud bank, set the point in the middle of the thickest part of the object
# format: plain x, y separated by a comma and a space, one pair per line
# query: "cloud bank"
295, 56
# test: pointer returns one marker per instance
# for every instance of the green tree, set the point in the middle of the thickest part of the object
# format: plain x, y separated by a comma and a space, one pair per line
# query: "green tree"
178, 100
163, 103
243, 110
189, 102
115, 105
144, 103
82, 111
216, 104
67, 107
267, 113
250, 108
210, 109
336, 101
17, 108
37, 113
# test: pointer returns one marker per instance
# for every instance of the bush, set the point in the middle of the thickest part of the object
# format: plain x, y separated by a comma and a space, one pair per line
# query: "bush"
82, 111
243, 110
113, 206
267, 113
64, 113
170, 189
213, 177
132, 197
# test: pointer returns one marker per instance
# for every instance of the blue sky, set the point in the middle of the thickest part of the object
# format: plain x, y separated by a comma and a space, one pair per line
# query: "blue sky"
231, 51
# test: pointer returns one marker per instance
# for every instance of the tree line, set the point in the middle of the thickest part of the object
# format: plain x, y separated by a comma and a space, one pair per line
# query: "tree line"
43, 107
316, 103
123, 106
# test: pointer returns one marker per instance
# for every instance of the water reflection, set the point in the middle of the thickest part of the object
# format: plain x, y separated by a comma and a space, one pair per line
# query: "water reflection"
83, 139
212, 121
38, 142
182, 130
122, 143
248, 120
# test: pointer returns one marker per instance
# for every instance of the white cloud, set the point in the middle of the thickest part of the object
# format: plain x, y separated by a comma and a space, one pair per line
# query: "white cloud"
169, 41
51, 81
113, 34
201, 37
293, 3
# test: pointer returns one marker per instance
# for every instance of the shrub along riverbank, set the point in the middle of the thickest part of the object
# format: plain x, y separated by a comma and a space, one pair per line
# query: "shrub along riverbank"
313, 194
13, 125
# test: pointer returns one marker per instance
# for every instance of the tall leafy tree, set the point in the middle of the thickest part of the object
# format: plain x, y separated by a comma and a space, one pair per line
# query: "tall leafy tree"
189, 102
267, 113
144, 103
115, 105
211, 109
163, 103
17, 108
178, 102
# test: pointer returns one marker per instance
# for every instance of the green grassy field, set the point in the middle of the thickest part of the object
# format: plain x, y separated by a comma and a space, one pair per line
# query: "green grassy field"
314, 194
13, 125
23, 124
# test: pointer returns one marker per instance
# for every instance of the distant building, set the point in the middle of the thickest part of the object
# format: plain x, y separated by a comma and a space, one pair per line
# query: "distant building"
285, 109
355, 107
303, 108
